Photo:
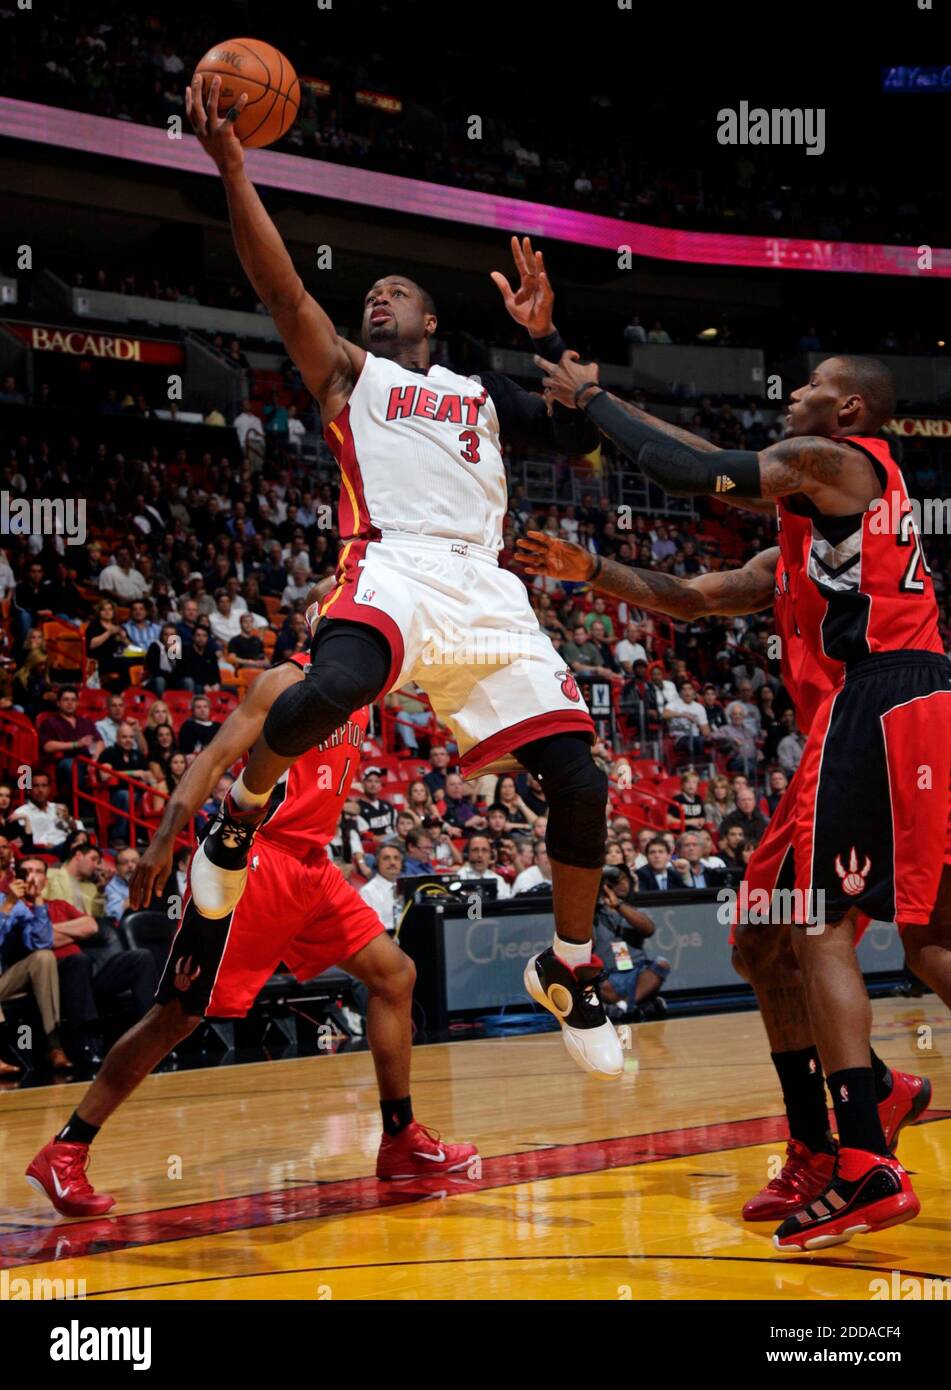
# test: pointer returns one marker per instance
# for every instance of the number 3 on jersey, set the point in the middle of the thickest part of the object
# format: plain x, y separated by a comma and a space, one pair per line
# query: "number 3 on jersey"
470, 439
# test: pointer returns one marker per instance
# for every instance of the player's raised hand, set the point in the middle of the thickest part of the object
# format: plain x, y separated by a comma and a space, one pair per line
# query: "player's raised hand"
215, 131
540, 553
563, 380
531, 304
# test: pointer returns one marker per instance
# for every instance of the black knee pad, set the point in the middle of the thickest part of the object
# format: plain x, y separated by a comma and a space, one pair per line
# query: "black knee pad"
576, 790
350, 663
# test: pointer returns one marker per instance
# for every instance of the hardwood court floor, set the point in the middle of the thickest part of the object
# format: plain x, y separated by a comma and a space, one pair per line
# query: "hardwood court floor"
255, 1181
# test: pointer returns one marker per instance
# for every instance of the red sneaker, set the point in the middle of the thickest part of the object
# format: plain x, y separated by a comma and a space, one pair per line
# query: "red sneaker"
908, 1100
804, 1176
59, 1172
417, 1152
868, 1192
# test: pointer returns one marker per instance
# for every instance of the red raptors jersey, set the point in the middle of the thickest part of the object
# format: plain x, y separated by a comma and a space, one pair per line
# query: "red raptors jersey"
306, 805
865, 584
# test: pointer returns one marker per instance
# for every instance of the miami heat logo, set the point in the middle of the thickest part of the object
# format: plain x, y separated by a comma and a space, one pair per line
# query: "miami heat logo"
184, 974
853, 878
568, 684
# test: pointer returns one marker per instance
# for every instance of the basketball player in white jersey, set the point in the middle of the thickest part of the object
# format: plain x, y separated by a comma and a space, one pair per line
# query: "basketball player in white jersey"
420, 595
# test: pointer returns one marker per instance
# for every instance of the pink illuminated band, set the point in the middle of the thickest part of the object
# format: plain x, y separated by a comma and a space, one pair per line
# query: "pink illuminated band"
48, 125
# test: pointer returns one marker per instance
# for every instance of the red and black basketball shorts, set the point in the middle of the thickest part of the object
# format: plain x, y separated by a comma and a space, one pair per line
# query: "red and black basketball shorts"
872, 791
304, 914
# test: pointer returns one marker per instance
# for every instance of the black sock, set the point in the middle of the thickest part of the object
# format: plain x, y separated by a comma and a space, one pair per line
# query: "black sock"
856, 1110
883, 1077
52, 1039
397, 1114
76, 1131
804, 1095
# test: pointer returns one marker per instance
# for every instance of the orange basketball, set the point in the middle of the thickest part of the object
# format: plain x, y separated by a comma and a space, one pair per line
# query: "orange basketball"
272, 85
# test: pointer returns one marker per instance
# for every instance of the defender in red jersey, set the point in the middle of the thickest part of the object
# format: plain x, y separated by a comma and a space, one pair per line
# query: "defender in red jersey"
763, 957
882, 739
297, 908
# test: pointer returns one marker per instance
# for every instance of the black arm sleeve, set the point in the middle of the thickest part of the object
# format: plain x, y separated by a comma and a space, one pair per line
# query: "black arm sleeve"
673, 465
524, 419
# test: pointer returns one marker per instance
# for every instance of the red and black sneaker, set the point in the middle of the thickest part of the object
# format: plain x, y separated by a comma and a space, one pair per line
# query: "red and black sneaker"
219, 867
907, 1101
416, 1152
805, 1174
868, 1192
59, 1172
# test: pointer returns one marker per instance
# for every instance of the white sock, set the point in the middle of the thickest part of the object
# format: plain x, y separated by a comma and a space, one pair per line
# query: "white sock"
573, 953
245, 800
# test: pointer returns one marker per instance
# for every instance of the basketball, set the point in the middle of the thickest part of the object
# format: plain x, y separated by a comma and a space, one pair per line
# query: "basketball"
272, 85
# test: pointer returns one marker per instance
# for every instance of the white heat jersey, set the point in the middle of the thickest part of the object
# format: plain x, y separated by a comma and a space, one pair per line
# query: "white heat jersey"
419, 454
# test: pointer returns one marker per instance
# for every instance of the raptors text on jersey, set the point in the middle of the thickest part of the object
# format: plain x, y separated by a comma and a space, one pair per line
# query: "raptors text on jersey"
306, 803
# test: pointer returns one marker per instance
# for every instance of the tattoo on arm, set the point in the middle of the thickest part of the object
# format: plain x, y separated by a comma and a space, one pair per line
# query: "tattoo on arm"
727, 593
791, 465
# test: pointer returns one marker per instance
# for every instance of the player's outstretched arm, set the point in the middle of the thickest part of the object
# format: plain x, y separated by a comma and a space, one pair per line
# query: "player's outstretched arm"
837, 477
328, 363
240, 730
727, 593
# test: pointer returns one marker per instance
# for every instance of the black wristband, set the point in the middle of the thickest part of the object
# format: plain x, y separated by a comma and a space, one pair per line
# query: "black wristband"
598, 565
552, 347
586, 386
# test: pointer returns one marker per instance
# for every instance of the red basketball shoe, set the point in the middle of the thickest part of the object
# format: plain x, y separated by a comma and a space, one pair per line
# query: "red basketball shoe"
868, 1192
59, 1172
907, 1101
805, 1174
416, 1152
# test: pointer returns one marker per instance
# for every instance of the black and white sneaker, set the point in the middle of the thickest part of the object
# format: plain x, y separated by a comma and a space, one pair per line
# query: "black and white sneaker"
219, 867
573, 996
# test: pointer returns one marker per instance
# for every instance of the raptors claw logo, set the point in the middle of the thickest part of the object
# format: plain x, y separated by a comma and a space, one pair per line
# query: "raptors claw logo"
184, 975
568, 684
853, 878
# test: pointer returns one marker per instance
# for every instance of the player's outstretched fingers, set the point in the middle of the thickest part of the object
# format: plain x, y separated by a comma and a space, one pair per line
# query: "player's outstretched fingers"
195, 107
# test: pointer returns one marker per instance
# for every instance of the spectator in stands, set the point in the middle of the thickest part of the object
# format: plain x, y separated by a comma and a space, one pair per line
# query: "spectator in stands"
13, 833
657, 876
162, 661
784, 725
536, 872
29, 686
630, 648
714, 711
379, 814
124, 757
689, 863
635, 334
108, 726
777, 783
158, 717
247, 650
27, 961
225, 622
106, 640
519, 816
411, 711
747, 816
117, 889
299, 584
294, 638
663, 547
246, 423
173, 770
81, 876
199, 729
585, 658
48, 823
381, 891
197, 669
599, 613
659, 334
632, 980
439, 760
121, 580
32, 600
479, 860
66, 735
732, 847
459, 812
687, 802
419, 800
719, 801
744, 696
140, 628
790, 748
420, 848
736, 738
687, 721
188, 621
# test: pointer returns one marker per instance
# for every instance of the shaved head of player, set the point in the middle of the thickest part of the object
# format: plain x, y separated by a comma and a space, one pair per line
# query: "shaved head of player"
844, 395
